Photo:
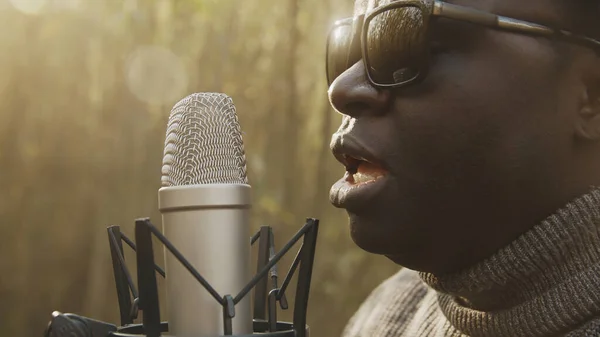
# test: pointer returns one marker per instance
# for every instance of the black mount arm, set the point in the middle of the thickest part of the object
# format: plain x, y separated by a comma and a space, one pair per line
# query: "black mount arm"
131, 300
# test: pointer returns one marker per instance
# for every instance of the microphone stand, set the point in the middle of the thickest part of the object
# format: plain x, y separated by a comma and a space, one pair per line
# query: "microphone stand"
146, 298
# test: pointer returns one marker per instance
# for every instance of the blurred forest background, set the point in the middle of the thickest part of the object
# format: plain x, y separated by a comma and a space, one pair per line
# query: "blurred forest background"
86, 87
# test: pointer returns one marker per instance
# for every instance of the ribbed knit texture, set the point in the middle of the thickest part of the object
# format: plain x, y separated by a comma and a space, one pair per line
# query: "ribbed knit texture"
545, 283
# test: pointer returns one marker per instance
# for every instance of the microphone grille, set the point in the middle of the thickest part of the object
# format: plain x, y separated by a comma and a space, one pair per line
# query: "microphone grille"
204, 143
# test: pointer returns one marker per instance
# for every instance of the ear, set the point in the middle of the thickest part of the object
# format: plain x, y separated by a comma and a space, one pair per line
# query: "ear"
587, 123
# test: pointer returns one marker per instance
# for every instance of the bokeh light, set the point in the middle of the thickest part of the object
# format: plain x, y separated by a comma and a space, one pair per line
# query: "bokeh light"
156, 75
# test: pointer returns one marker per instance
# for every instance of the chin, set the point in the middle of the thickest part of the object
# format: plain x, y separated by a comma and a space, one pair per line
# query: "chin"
382, 235
366, 236
414, 229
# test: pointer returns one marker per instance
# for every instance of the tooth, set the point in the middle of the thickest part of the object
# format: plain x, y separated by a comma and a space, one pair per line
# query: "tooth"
361, 177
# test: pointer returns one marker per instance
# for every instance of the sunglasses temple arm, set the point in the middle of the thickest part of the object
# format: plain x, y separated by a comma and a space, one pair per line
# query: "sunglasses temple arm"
466, 14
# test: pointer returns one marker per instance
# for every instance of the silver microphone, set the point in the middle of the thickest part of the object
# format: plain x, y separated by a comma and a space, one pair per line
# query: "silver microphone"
205, 202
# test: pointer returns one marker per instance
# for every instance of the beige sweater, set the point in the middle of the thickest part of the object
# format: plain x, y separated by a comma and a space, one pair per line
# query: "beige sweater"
546, 283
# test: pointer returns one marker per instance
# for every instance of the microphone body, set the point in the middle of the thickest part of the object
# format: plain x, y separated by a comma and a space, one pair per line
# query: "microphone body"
209, 224
205, 203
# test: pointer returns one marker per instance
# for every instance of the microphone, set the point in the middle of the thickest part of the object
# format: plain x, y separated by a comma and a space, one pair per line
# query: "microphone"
205, 202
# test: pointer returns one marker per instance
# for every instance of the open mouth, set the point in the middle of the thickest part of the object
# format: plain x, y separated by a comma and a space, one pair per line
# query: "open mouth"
360, 171
366, 176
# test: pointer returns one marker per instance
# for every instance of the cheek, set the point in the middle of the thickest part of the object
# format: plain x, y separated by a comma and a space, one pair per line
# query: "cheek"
488, 113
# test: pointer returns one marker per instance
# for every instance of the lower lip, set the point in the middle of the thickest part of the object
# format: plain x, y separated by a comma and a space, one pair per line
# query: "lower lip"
346, 194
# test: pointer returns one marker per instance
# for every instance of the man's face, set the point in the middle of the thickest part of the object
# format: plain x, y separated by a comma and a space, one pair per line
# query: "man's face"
471, 157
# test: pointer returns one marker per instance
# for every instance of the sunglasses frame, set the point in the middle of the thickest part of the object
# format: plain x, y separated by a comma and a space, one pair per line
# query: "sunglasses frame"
437, 8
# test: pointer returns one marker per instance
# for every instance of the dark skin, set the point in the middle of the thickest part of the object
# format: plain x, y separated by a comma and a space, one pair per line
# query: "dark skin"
503, 132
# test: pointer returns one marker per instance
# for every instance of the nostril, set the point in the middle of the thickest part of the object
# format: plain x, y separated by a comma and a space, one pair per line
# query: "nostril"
356, 108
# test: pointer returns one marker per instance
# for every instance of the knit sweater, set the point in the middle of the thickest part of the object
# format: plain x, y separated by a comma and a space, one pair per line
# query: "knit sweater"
545, 283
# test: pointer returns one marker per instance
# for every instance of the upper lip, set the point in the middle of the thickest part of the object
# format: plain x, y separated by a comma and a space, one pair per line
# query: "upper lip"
348, 149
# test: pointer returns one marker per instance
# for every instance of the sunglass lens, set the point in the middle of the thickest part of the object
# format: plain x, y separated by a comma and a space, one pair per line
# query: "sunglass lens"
338, 47
395, 45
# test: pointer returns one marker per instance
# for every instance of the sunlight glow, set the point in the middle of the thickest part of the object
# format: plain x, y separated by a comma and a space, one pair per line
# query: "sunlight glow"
30, 7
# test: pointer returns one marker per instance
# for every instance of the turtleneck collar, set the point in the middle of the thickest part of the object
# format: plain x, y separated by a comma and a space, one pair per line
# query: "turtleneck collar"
545, 282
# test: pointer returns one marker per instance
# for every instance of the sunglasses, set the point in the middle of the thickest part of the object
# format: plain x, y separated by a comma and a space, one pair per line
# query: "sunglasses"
393, 40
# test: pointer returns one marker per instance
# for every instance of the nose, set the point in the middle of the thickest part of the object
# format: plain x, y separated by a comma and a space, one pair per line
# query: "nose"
353, 95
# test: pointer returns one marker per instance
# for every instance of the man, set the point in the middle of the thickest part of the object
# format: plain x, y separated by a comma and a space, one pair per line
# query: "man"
472, 149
